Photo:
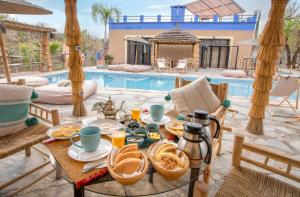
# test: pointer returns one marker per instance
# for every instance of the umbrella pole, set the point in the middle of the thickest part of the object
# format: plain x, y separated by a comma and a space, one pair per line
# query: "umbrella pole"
4, 57
271, 40
73, 39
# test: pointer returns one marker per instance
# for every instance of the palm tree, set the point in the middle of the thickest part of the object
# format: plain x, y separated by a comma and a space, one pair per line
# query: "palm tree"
102, 13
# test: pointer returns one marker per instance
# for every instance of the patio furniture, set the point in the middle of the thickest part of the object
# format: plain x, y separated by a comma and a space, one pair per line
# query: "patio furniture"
53, 94
234, 73
26, 138
285, 87
151, 184
220, 91
181, 65
161, 64
243, 181
33, 81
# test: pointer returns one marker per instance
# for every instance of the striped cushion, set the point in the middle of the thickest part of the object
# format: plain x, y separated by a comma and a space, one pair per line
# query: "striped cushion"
14, 104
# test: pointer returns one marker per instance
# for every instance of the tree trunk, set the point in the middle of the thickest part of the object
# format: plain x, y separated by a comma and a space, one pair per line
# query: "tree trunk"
295, 58
288, 54
105, 26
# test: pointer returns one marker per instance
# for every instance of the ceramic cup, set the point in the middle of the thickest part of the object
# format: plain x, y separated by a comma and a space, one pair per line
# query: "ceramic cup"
157, 112
89, 138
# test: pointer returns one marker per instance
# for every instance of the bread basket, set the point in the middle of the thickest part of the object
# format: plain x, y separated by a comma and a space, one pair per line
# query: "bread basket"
168, 174
126, 180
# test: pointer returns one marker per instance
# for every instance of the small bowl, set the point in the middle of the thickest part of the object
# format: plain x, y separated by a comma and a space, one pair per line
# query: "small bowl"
133, 125
135, 140
152, 139
152, 127
140, 132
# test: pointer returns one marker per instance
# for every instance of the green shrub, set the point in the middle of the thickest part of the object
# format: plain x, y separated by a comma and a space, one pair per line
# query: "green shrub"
108, 59
92, 60
54, 47
25, 53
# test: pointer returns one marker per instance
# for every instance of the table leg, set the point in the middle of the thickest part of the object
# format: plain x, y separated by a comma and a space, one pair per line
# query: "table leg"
151, 172
193, 177
78, 192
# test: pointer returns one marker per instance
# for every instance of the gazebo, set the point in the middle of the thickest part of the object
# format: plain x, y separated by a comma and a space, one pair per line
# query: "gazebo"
175, 37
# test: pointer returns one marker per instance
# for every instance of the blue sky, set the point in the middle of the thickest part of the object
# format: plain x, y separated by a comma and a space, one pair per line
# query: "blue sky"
128, 7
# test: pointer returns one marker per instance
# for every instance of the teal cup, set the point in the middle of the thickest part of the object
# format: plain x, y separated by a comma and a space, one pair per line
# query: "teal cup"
157, 112
89, 138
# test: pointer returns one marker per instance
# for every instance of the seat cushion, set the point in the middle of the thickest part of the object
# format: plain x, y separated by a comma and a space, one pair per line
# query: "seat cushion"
250, 183
136, 68
234, 73
196, 95
27, 137
14, 104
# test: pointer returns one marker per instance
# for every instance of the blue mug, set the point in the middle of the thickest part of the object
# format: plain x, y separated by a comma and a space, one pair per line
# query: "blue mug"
157, 112
89, 138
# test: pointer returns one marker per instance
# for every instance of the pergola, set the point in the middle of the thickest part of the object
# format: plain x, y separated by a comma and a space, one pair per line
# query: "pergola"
46, 62
175, 37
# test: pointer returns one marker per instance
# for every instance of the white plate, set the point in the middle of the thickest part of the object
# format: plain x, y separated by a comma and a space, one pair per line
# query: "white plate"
79, 154
51, 130
107, 126
148, 120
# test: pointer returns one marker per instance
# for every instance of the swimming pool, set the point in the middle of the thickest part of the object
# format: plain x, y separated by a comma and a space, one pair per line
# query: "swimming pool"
237, 87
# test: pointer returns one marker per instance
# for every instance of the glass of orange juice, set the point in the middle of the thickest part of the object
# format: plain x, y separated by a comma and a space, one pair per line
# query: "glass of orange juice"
118, 138
136, 114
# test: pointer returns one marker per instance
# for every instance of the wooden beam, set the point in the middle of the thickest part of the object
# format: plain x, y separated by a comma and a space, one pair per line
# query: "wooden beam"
5, 58
26, 27
46, 56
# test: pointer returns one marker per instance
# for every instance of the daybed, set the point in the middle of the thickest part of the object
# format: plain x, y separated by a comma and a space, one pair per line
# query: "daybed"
30, 80
129, 68
234, 73
53, 94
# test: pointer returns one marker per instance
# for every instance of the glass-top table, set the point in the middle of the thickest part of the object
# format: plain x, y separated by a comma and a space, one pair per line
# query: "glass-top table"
151, 184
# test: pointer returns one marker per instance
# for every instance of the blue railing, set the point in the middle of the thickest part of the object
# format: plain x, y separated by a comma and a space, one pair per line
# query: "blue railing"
188, 18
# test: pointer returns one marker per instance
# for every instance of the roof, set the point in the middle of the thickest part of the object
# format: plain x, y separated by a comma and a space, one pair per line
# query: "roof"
207, 9
21, 7
175, 36
25, 27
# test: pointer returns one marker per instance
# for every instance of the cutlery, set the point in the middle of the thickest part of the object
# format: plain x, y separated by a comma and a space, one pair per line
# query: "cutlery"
92, 165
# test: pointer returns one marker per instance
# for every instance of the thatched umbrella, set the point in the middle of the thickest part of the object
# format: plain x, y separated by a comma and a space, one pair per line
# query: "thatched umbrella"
73, 39
271, 40
15, 7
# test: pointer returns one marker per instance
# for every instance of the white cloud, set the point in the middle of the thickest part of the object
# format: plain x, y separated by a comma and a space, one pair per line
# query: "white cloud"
153, 7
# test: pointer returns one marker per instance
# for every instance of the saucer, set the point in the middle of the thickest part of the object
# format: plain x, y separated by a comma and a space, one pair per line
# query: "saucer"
79, 154
107, 126
148, 120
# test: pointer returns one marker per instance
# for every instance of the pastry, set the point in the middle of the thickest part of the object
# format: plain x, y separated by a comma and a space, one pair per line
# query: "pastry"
161, 148
127, 166
172, 157
128, 148
122, 156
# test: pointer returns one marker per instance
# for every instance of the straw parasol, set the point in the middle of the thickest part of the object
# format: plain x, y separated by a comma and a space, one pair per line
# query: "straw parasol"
271, 41
73, 39
15, 7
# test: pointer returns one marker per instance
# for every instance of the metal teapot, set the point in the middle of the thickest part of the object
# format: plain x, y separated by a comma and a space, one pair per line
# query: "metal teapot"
108, 108
203, 118
196, 144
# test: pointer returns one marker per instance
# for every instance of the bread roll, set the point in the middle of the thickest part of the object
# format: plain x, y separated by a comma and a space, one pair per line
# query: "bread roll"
127, 166
128, 148
172, 157
122, 156
160, 149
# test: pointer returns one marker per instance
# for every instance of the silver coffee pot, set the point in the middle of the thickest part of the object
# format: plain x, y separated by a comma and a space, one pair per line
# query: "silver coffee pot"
203, 118
196, 144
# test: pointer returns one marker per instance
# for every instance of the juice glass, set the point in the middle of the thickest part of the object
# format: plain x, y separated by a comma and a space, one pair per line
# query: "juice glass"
118, 138
136, 114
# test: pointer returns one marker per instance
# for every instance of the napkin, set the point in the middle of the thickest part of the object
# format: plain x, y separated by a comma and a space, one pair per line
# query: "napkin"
98, 174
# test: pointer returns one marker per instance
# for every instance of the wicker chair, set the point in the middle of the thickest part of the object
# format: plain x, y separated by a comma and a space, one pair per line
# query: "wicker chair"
27, 138
220, 91
243, 181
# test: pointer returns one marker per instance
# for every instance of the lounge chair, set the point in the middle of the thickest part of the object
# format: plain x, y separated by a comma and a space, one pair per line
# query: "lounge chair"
285, 87
182, 65
25, 139
220, 90
243, 181
161, 64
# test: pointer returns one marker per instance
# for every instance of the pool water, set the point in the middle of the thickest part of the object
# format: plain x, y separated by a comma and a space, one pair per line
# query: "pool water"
237, 87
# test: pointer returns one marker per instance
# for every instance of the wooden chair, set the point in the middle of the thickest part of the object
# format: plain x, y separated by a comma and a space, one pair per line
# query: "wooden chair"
27, 138
220, 91
243, 181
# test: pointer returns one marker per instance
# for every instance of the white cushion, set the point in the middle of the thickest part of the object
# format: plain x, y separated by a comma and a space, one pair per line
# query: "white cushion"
14, 103
234, 73
196, 95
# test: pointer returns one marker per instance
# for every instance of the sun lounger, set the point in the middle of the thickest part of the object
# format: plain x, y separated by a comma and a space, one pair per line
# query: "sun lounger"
182, 65
161, 64
53, 94
285, 87
33, 81
243, 181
